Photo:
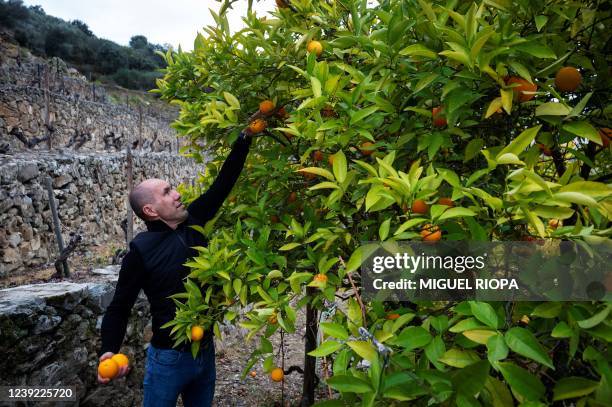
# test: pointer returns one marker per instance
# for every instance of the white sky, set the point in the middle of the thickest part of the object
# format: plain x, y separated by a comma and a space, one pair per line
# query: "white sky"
161, 21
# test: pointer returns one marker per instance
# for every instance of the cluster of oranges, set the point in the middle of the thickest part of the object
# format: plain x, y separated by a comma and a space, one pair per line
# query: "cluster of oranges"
109, 368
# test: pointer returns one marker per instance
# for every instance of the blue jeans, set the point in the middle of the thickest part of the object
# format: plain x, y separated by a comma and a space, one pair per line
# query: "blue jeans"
170, 372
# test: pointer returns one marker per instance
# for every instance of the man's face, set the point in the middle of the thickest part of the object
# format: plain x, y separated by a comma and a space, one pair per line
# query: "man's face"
166, 205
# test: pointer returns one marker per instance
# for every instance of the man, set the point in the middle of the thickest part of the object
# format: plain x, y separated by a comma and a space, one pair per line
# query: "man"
154, 264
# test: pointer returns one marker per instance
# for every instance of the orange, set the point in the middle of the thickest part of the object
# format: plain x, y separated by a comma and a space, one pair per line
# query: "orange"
568, 79
320, 277
282, 3
366, 148
197, 333
253, 373
292, 197
317, 156
419, 206
277, 374
328, 111
554, 223
446, 201
605, 134
288, 135
330, 160
309, 176
544, 149
431, 233
108, 369
314, 46
120, 359
257, 126
272, 319
266, 107
274, 219
438, 117
523, 86
392, 316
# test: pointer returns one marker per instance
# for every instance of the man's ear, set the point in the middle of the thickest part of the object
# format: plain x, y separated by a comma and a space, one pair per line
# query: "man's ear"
149, 212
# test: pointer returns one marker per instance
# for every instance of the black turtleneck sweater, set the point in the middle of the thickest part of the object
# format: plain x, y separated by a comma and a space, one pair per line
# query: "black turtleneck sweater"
155, 260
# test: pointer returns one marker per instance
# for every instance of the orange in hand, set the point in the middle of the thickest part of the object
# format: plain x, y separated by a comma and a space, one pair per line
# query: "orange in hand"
108, 369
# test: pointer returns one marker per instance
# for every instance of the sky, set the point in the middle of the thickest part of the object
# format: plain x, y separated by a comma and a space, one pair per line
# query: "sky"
161, 21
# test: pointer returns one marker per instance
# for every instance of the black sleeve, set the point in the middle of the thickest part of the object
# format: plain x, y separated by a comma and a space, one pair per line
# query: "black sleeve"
206, 205
114, 323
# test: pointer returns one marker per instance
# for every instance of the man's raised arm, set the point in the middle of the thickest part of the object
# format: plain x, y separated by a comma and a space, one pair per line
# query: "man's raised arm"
206, 205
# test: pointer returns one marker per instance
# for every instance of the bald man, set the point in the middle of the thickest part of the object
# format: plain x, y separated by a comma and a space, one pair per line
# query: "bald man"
155, 264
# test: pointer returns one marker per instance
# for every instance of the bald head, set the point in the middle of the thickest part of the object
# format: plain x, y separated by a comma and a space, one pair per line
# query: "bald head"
154, 199
141, 195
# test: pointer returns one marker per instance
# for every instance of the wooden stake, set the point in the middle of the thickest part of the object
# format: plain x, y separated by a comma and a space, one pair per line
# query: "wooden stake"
130, 213
56, 223
310, 344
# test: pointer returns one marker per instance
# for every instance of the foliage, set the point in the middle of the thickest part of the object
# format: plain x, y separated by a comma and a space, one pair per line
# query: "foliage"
134, 67
384, 67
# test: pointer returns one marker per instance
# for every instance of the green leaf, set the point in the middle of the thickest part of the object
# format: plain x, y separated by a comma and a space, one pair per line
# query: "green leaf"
552, 109
340, 167
536, 49
521, 70
413, 337
561, 330
231, 100
383, 231
572, 387
473, 148
289, 246
334, 330
583, 129
471, 379
419, 50
497, 393
359, 255
456, 357
425, 81
575, 197
522, 381
465, 325
362, 114
595, 319
456, 213
521, 142
480, 336
485, 313
497, 348
326, 348
349, 384
316, 86
540, 22
364, 349
318, 171
589, 188
523, 342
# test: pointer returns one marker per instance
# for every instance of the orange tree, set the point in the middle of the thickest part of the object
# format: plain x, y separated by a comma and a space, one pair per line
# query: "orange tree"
403, 120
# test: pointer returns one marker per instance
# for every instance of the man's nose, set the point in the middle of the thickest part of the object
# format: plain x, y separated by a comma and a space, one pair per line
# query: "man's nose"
177, 196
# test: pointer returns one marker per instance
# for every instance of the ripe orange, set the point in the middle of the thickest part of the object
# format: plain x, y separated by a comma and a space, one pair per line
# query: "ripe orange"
277, 374
253, 373
431, 233
274, 219
197, 333
330, 159
544, 149
392, 316
446, 201
266, 107
322, 278
523, 86
605, 134
419, 206
257, 126
366, 148
568, 79
120, 359
108, 369
272, 319
328, 111
314, 46
288, 135
554, 223
317, 156
438, 117
309, 176
292, 197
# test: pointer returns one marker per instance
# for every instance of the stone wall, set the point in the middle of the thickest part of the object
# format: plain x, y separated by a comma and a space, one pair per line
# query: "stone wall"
50, 336
91, 196
81, 114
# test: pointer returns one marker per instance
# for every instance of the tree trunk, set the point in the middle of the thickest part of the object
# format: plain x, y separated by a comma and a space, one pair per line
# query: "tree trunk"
310, 362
